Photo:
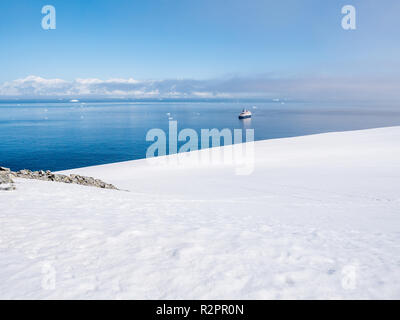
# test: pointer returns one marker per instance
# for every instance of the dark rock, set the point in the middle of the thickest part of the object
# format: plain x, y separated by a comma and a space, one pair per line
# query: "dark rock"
6, 183
24, 172
49, 176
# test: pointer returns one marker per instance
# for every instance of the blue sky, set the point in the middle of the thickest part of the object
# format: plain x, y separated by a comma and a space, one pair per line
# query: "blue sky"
200, 40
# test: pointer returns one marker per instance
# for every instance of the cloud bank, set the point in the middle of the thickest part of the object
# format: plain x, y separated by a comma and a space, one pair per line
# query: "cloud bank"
264, 86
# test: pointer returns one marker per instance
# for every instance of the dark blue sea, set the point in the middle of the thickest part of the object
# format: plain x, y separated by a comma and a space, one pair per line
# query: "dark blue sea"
60, 135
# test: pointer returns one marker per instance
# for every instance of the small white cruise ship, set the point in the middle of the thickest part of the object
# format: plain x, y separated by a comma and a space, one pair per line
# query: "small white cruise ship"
245, 114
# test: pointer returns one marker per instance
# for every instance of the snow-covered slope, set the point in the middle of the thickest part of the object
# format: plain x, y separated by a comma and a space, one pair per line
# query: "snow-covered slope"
318, 218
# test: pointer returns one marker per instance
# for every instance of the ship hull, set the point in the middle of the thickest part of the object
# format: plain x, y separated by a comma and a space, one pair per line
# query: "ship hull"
245, 117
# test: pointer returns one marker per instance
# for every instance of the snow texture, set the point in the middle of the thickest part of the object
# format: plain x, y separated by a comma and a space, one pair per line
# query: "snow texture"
318, 218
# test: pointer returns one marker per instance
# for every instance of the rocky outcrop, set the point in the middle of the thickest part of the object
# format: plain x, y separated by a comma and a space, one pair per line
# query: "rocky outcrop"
6, 174
6, 183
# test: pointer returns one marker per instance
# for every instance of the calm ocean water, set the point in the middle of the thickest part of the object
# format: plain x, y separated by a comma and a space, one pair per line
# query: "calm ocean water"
57, 136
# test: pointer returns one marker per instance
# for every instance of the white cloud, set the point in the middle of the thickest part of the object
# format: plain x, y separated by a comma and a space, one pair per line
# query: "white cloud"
265, 86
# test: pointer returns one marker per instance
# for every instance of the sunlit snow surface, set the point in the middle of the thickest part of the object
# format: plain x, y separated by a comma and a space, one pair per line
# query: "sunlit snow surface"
318, 218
